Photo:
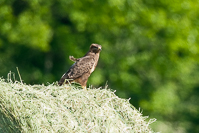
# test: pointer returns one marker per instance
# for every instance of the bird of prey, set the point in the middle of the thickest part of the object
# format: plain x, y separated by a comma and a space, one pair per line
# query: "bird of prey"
81, 70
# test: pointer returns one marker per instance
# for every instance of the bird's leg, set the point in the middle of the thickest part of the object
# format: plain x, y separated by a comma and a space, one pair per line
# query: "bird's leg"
73, 58
84, 87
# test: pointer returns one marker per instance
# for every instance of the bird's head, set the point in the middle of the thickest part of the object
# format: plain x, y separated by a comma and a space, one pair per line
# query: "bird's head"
95, 48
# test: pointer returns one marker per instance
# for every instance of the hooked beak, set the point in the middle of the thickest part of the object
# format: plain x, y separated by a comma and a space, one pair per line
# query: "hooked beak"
99, 48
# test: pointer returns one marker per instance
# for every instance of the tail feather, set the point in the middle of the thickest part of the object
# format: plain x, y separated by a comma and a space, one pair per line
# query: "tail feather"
64, 81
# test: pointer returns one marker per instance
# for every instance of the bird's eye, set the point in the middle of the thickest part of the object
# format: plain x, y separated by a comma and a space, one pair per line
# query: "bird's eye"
95, 47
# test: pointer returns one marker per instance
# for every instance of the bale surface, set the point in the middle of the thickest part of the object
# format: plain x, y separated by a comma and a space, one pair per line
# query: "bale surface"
55, 109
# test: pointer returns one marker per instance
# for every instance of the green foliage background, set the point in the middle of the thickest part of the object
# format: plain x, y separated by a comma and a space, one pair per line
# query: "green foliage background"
150, 50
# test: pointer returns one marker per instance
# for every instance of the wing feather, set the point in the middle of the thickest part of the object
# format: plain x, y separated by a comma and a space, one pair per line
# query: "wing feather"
83, 65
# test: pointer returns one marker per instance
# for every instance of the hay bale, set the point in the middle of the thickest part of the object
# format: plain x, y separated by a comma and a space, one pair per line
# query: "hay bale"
39, 108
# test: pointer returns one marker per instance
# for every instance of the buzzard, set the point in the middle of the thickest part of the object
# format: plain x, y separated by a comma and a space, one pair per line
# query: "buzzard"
81, 70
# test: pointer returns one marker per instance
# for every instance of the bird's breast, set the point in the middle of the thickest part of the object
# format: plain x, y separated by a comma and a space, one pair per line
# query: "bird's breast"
93, 67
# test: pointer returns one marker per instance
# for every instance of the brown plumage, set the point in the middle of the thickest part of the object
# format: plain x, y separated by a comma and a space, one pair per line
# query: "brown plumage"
81, 70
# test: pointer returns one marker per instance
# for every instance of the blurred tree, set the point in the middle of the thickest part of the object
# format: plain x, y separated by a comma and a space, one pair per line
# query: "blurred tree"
150, 50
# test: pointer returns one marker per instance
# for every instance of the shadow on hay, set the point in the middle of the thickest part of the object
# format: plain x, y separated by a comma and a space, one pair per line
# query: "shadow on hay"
8, 124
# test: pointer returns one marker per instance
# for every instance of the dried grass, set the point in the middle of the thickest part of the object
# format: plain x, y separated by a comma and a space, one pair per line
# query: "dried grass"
55, 109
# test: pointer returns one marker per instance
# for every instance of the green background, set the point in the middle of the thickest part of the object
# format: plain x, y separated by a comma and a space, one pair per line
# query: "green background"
150, 50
